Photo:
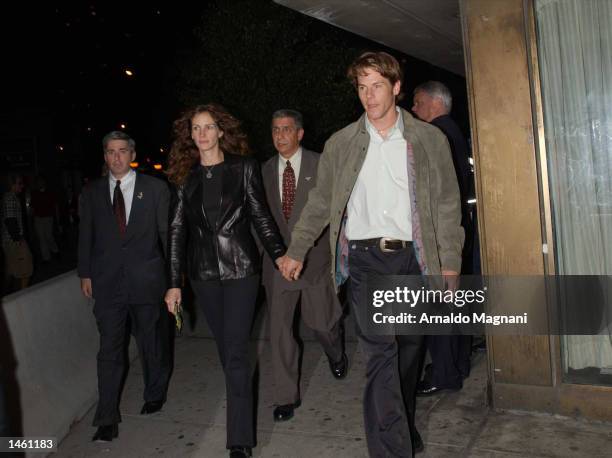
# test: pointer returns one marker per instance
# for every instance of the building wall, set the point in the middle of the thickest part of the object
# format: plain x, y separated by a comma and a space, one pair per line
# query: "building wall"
513, 201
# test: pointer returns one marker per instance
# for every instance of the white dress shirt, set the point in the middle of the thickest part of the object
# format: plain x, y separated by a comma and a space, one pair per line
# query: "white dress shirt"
379, 205
127, 189
296, 162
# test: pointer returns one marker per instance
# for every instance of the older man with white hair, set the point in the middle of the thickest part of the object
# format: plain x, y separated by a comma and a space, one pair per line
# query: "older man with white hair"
432, 103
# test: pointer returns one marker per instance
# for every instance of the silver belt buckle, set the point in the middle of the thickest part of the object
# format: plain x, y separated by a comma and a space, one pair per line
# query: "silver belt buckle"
382, 245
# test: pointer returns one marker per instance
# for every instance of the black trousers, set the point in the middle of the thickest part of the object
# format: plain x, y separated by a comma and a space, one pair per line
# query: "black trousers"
393, 362
112, 321
450, 360
450, 355
229, 306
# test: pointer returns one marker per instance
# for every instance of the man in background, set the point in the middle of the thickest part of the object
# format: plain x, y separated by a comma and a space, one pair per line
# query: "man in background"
288, 177
17, 255
450, 354
45, 209
122, 244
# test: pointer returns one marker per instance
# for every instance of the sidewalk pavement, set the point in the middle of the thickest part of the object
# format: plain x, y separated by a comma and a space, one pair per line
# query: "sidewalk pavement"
329, 423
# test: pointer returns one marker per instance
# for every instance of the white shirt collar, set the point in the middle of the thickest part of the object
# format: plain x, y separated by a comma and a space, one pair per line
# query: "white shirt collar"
295, 159
126, 180
397, 127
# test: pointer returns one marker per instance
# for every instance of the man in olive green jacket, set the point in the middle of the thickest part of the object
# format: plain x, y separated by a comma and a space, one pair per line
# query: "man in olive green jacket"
387, 188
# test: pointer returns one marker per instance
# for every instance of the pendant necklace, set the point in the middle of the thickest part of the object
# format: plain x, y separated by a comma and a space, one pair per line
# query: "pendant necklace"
209, 171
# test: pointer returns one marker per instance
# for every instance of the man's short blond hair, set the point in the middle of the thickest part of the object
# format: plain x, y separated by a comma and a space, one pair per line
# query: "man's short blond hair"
382, 62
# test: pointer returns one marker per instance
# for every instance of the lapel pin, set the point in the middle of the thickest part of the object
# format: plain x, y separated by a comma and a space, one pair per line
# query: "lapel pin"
140, 195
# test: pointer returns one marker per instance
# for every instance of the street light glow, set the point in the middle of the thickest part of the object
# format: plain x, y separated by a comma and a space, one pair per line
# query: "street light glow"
129, 72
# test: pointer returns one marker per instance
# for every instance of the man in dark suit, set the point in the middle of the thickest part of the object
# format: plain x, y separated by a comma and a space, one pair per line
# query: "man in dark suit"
288, 177
122, 241
450, 354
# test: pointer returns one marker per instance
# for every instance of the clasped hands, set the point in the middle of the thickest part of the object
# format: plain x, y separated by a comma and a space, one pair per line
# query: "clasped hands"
289, 267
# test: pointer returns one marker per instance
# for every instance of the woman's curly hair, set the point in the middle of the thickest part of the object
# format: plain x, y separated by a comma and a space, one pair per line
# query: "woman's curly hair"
184, 153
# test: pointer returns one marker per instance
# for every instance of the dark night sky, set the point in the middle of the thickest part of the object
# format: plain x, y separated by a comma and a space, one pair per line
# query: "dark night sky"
64, 66
77, 53
70, 61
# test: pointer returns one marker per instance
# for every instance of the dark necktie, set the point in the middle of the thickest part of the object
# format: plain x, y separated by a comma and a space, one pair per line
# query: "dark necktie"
119, 208
288, 190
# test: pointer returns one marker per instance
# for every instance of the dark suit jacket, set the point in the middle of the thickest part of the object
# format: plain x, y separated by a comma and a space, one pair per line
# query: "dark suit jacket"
465, 179
104, 255
460, 154
317, 262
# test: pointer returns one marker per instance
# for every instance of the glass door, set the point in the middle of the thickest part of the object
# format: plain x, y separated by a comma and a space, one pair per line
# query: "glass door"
574, 39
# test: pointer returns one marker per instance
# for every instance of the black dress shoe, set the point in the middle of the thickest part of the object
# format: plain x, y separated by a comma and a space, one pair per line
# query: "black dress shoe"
106, 433
339, 369
422, 384
151, 407
285, 412
427, 389
240, 452
417, 442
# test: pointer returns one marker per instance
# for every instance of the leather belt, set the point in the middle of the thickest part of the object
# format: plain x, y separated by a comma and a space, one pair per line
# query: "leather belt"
385, 244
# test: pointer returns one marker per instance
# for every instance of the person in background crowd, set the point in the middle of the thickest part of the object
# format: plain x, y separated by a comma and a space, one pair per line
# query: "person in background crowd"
45, 210
17, 256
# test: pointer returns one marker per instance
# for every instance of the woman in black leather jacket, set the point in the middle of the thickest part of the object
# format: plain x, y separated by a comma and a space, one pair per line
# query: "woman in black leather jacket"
219, 195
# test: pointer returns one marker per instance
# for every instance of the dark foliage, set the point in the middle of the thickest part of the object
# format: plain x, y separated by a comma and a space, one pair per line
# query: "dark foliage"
255, 57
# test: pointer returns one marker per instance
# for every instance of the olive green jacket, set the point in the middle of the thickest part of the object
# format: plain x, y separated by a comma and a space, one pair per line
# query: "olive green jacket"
434, 195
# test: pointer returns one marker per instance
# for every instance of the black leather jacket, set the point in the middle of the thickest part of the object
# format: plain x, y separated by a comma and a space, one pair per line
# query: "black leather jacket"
227, 251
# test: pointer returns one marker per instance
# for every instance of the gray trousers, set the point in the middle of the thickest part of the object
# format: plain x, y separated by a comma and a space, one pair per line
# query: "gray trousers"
321, 312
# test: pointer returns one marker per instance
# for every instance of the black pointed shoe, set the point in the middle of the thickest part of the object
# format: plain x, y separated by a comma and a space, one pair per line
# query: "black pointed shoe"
106, 433
150, 407
427, 389
240, 452
285, 412
340, 368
